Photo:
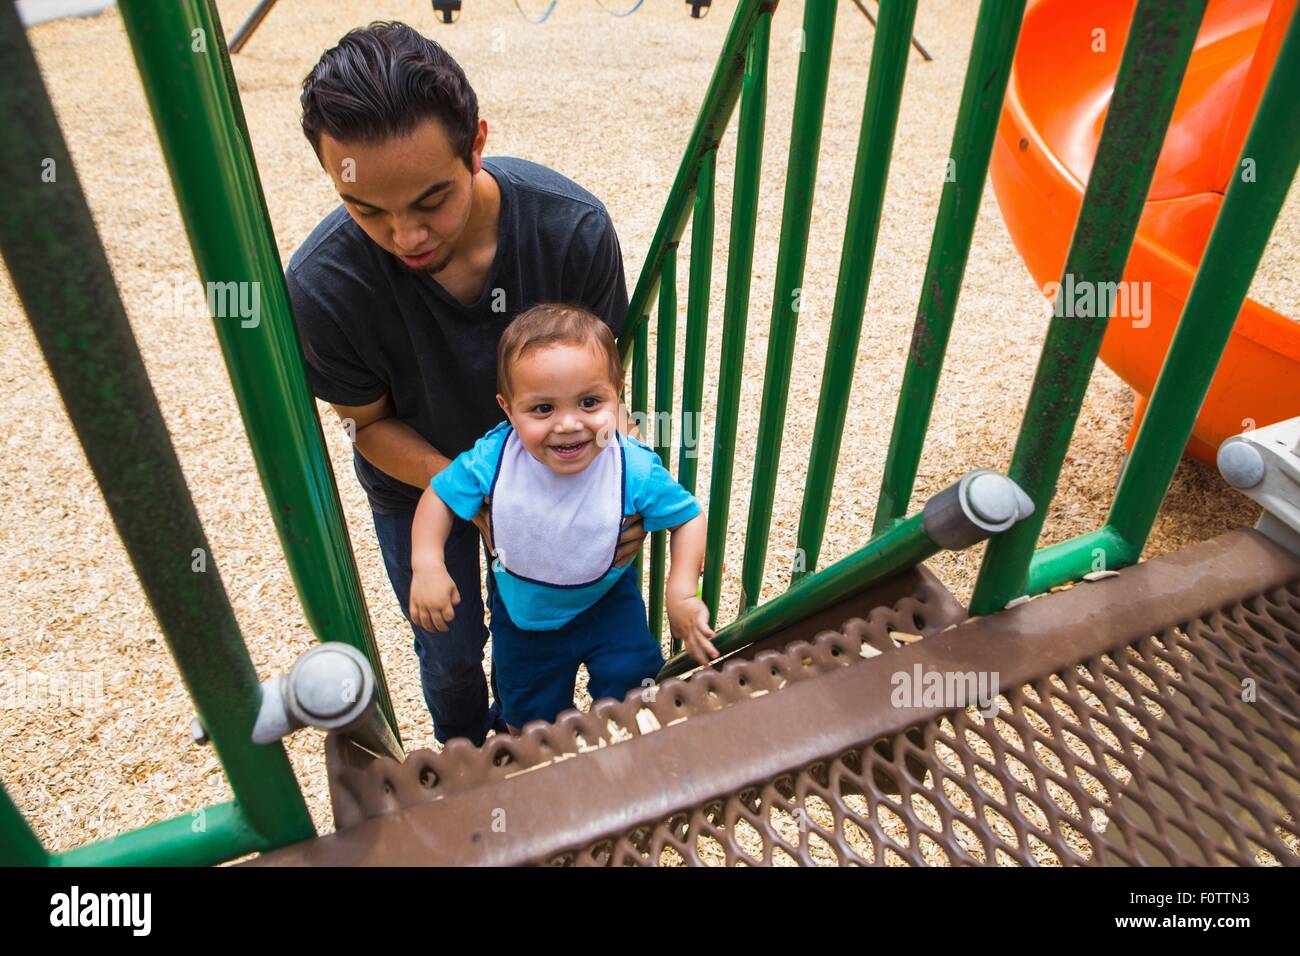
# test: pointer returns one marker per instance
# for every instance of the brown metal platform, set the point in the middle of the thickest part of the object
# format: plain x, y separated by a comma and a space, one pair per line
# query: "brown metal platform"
1149, 718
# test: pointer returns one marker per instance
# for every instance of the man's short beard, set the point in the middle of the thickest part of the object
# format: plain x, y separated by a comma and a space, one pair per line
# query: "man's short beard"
432, 268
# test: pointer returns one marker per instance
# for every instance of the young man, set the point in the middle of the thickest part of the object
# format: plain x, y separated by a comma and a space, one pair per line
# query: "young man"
401, 294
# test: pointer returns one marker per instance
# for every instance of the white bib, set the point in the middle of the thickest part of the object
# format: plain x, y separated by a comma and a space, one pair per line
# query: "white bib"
560, 530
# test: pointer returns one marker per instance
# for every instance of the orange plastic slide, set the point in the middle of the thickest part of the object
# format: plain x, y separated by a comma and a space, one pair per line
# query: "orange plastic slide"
1060, 87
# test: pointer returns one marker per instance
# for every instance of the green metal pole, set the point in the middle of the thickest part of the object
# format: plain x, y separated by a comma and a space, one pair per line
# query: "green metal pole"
1102, 550
1241, 232
889, 54
902, 547
699, 288
665, 352
203, 838
710, 124
992, 51
19, 846
1150, 75
640, 388
185, 70
62, 276
735, 308
801, 180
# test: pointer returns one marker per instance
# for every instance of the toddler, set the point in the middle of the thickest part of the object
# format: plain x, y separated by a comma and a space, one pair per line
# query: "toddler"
559, 477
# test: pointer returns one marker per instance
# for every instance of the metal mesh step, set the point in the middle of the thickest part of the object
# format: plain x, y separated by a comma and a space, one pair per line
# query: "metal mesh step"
1146, 719
1144, 756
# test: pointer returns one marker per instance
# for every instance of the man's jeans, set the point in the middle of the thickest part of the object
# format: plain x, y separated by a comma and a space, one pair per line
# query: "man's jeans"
451, 662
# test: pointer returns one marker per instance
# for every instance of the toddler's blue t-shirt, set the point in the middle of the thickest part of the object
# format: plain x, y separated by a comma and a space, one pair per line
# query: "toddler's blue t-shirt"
555, 535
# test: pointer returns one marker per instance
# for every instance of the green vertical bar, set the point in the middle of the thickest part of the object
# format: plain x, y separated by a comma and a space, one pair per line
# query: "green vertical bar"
992, 51
186, 75
1240, 235
665, 352
801, 179
870, 173
640, 387
710, 125
19, 846
1150, 74
699, 288
62, 276
735, 309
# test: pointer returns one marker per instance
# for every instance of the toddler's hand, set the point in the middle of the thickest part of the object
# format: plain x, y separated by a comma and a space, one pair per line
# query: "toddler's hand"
433, 595
689, 621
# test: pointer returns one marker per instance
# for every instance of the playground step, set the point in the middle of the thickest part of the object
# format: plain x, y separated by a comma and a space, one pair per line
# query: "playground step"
912, 604
1144, 719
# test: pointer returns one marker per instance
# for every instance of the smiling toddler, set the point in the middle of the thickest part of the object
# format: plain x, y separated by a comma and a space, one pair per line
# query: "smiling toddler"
559, 478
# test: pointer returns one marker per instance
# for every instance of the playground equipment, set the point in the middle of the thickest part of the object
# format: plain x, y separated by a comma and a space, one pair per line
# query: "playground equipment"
245, 31
1048, 137
447, 11
1261, 464
636, 5
871, 18
1119, 728
546, 14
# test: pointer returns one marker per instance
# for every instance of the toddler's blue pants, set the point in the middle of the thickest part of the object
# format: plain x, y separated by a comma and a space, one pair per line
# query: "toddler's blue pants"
535, 670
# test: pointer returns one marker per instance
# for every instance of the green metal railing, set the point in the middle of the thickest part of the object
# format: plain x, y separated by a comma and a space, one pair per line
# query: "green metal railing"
796, 219
665, 353
982, 93
1232, 255
195, 105
1155, 56
61, 274
867, 200
735, 309
60, 271
980, 108
1154, 60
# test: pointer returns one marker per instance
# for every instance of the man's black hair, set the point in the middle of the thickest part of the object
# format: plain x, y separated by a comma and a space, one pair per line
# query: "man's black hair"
383, 80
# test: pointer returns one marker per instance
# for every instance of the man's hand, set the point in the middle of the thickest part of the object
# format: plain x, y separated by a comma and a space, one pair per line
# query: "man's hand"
630, 540
688, 619
433, 595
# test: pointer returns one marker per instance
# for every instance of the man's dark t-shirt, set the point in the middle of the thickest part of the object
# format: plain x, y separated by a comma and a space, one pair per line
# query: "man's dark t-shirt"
368, 325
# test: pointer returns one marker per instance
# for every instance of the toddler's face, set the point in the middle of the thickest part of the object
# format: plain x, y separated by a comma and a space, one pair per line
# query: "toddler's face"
564, 407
